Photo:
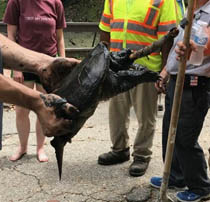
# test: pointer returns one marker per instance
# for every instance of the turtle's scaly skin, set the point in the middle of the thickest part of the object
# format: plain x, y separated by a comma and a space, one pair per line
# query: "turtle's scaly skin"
95, 79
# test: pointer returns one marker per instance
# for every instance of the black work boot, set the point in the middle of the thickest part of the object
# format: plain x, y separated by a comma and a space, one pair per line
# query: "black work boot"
138, 167
112, 157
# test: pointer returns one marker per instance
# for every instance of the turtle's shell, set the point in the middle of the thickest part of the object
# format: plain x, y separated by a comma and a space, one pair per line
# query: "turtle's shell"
82, 87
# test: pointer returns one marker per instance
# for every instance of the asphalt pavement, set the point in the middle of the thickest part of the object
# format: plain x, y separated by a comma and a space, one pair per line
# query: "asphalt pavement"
83, 180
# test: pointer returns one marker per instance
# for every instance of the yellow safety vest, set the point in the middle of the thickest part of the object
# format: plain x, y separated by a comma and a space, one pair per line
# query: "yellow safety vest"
180, 9
135, 24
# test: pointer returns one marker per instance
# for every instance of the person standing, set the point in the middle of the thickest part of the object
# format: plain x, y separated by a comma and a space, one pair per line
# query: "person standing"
36, 25
209, 158
1, 105
189, 168
134, 25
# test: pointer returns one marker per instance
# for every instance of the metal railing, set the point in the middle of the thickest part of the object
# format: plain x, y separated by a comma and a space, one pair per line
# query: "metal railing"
77, 27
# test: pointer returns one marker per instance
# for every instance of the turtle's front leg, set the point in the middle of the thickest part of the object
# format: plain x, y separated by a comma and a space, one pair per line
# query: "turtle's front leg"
121, 81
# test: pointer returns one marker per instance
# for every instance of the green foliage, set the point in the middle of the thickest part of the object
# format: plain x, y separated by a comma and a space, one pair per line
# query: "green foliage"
2, 8
76, 11
83, 10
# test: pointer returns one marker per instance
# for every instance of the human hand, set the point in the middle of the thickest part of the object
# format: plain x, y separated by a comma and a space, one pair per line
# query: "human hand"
160, 84
181, 49
55, 115
52, 74
18, 76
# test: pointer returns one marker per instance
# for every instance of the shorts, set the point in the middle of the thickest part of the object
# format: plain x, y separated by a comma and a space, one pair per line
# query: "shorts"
31, 77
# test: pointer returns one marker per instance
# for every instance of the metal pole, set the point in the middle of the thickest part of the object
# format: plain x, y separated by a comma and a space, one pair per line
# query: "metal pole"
176, 105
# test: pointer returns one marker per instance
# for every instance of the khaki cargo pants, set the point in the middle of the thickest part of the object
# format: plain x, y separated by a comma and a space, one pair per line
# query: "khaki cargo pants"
143, 98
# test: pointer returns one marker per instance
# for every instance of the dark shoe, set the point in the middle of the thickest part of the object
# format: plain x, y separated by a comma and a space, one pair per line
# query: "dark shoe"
156, 183
138, 167
112, 157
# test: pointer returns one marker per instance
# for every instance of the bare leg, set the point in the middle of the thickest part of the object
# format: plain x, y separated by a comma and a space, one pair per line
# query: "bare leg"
41, 156
209, 159
23, 129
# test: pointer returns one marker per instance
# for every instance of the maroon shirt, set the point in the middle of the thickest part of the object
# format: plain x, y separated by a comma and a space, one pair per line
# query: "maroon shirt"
37, 21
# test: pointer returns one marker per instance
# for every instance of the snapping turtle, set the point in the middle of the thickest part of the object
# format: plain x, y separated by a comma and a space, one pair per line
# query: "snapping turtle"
100, 76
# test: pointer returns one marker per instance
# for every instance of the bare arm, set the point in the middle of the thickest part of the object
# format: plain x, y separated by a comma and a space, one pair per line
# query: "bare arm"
15, 93
43, 105
49, 69
12, 34
165, 52
105, 36
60, 43
21, 59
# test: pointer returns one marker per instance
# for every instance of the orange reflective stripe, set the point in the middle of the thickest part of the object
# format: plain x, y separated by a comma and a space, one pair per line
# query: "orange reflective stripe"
164, 27
118, 20
116, 44
142, 24
153, 54
107, 16
117, 25
134, 46
138, 42
141, 34
115, 49
154, 17
111, 7
134, 27
168, 22
116, 30
117, 40
152, 13
148, 12
137, 46
138, 28
151, 17
105, 19
107, 25
162, 33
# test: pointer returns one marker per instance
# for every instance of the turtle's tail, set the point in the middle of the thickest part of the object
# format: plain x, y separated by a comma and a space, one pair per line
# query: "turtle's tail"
58, 143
